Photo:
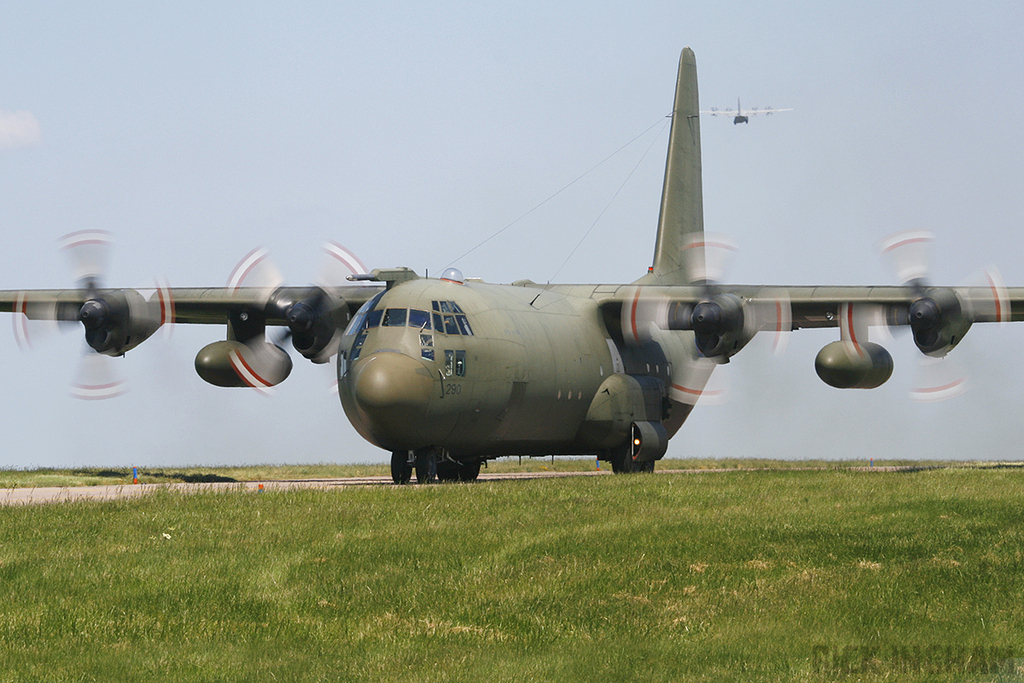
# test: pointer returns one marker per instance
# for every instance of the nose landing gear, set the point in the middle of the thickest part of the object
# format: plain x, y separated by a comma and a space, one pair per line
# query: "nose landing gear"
401, 466
423, 459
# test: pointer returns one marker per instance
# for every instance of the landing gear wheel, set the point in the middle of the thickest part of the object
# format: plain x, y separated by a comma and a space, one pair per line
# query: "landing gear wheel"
426, 466
448, 471
623, 463
401, 468
469, 471
453, 470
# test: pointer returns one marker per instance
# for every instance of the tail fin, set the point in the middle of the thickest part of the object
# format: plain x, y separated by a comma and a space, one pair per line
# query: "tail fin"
682, 207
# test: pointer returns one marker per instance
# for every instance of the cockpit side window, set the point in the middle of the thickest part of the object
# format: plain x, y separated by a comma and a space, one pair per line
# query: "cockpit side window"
357, 347
365, 318
455, 363
358, 322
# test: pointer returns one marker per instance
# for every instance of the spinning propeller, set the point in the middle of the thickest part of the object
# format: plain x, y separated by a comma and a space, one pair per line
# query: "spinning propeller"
722, 323
115, 321
939, 317
314, 321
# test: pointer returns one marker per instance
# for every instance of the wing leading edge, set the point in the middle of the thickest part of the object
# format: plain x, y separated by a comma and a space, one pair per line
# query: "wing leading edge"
191, 305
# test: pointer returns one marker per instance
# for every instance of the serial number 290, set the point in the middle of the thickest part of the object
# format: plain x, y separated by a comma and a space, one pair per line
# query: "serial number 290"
452, 389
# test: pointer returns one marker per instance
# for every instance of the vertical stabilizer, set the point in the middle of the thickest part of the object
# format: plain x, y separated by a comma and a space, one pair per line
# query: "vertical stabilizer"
682, 207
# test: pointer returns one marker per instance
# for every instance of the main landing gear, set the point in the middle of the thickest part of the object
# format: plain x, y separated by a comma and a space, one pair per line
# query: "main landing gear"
623, 463
429, 469
453, 470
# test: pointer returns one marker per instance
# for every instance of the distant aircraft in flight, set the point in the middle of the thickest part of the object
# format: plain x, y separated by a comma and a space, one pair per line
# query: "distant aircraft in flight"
740, 116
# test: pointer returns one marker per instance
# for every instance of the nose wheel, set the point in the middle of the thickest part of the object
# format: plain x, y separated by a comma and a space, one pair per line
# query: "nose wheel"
401, 466
403, 462
426, 466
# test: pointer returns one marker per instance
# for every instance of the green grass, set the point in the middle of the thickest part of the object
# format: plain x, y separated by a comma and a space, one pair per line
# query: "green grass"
764, 576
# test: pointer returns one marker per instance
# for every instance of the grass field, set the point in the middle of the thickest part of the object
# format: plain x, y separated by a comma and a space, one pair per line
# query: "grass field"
738, 576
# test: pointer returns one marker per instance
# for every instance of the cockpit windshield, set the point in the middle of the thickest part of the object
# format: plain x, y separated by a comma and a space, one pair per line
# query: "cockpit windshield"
395, 317
419, 319
446, 317
450, 319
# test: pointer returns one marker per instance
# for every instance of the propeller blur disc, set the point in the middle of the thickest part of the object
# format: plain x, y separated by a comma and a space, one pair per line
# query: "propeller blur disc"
908, 254
707, 257
938, 379
32, 320
772, 313
338, 263
88, 252
988, 298
642, 313
97, 378
690, 382
255, 270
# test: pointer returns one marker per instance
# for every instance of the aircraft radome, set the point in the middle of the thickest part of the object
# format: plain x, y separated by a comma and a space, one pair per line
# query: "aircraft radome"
446, 373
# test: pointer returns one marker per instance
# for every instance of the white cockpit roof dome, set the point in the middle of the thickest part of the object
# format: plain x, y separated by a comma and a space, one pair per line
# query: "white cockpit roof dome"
453, 275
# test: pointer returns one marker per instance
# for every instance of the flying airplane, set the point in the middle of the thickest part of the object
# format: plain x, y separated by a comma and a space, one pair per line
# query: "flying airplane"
740, 116
445, 373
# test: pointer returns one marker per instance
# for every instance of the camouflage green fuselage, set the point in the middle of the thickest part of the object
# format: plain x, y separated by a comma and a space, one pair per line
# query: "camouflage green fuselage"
524, 372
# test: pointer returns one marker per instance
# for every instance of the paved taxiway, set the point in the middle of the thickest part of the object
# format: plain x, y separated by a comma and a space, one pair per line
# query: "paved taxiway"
61, 494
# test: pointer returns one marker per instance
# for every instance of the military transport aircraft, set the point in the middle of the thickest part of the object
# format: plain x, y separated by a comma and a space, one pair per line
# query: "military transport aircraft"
448, 372
740, 116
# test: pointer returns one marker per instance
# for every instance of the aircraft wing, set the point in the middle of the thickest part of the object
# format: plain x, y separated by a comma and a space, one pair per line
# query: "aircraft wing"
117, 320
745, 112
755, 112
813, 306
192, 305
723, 319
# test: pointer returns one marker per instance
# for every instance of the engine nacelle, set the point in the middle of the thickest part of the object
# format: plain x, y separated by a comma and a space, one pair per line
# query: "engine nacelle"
118, 321
314, 321
719, 326
939, 321
845, 365
234, 364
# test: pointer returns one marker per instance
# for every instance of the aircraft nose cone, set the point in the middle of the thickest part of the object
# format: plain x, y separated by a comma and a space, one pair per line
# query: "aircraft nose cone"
391, 392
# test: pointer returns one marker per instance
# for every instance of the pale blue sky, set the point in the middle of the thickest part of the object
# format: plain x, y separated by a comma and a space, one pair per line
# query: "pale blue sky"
411, 131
